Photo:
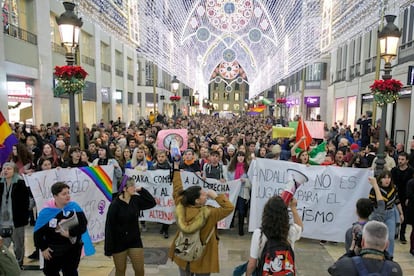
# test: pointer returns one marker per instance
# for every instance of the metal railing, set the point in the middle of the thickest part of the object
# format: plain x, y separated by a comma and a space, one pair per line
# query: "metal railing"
88, 60
57, 48
20, 33
105, 67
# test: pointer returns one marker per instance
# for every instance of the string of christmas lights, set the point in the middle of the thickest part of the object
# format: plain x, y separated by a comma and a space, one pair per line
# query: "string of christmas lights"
270, 39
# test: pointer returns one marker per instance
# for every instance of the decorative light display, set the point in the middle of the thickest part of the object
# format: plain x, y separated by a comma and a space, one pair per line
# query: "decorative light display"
270, 39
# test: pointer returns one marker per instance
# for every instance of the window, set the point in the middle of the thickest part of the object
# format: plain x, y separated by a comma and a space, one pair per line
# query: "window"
216, 96
226, 107
236, 96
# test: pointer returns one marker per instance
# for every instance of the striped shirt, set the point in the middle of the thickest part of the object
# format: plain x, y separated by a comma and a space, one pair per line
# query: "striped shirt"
389, 195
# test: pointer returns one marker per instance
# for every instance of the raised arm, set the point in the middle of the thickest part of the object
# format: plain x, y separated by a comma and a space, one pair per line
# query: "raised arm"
295, 146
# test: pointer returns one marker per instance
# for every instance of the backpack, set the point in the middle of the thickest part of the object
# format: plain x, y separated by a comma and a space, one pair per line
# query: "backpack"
189, 247
362, 270
276, 259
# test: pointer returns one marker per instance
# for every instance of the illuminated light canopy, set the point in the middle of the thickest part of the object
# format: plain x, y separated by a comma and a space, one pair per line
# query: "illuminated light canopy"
291, 34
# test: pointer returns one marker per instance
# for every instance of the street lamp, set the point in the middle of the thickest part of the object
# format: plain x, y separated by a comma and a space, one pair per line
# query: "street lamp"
388, 42
69, 28
281, 90
175, 84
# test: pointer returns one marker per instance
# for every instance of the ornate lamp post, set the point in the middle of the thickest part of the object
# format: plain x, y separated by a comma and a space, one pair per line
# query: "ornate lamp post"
175, 84
281, 90
388, 41
69, 28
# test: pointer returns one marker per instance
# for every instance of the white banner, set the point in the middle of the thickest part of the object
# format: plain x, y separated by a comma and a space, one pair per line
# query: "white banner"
89, 187
158, 183
326, 199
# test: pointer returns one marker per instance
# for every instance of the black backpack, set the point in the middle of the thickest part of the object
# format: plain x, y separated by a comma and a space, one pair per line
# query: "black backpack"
276, 259
363, 271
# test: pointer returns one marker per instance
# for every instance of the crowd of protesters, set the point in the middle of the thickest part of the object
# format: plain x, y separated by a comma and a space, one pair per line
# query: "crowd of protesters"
217, 147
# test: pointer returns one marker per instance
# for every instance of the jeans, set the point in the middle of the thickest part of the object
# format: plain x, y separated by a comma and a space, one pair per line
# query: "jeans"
390, 220
18, 243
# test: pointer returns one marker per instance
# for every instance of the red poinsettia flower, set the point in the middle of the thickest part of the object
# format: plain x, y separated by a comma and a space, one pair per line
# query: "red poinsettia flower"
386, 91
69, 71
175, 98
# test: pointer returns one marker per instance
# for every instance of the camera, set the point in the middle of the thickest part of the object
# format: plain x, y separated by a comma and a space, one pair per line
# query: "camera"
6, 232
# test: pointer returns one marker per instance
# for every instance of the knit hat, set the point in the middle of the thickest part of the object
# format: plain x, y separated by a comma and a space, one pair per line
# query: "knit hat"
231, 148
355, 147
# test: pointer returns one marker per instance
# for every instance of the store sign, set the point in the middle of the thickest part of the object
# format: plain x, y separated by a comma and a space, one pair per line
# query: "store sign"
410, 75
312, 101
18, 88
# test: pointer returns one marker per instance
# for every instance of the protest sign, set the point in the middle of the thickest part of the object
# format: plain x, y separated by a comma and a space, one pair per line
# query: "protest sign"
90, 187
158, 183
326, 201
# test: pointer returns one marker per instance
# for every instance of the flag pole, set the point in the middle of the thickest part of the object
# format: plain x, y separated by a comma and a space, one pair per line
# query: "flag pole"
303, 128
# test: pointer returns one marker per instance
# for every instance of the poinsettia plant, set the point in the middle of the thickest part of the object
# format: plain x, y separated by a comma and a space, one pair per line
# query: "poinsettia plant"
386, 91
175, 98
70, 79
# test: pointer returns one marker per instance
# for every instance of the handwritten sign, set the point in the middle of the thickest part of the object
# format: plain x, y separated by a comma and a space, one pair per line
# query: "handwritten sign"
326, 202
158, 183
83, 190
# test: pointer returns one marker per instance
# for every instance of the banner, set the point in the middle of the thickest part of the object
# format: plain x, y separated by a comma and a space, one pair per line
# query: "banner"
158, 183
326, 199
90, 187
166, 136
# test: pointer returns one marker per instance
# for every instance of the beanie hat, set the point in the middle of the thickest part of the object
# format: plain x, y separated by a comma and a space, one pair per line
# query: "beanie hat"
354, 147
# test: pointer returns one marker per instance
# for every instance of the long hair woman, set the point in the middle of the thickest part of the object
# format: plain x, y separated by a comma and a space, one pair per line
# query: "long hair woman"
275, 225
390, 196
238, 169
192, 215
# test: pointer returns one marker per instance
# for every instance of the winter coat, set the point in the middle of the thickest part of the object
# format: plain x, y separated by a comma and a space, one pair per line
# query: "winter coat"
205, 217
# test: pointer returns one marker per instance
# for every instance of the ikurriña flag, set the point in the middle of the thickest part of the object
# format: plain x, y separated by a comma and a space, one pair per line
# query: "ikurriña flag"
7, 139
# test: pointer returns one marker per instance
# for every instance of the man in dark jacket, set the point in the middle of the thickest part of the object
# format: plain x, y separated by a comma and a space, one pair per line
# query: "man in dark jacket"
371, 258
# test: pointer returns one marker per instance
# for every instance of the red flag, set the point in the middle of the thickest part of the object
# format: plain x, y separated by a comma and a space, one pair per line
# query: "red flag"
301, 131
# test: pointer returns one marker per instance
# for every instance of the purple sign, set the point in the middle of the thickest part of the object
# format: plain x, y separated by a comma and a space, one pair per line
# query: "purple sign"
312, 101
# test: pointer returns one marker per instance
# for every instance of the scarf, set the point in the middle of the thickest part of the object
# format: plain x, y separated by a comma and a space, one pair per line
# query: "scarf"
239, 171
189, 162
50, 211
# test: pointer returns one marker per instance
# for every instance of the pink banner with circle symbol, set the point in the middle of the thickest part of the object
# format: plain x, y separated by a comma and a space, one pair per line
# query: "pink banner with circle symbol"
166, 136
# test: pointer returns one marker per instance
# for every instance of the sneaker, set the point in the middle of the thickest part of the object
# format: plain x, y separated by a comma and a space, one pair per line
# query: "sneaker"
34, 255
166, 235
144, 228
162, 231
403, 241
322, 242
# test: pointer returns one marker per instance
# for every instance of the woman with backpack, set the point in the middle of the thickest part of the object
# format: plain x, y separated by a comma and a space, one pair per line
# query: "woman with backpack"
275, 234
194, 218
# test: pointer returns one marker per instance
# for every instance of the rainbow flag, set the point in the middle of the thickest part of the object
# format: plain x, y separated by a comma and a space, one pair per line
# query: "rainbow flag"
101, 180
7, 139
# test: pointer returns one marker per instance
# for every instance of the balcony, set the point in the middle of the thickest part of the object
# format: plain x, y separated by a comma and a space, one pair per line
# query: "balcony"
88, 60
105, 67
19, 33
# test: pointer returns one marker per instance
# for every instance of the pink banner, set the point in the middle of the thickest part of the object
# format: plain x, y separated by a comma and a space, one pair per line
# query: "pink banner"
166, 136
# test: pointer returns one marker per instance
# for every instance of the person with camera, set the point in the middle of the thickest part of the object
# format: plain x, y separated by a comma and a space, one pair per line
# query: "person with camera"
14, 209
371, 259
365, 211
60, 233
